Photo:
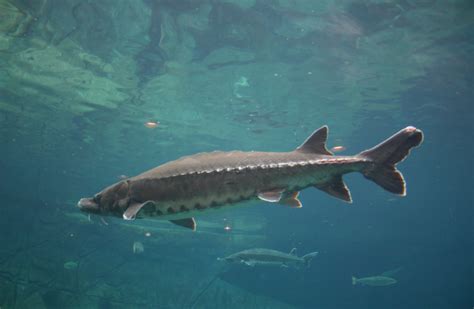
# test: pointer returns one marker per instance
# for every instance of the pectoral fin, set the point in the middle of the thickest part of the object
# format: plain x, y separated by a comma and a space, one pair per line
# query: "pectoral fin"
392, 272
271, 196
279, 196
189, 223
133, 210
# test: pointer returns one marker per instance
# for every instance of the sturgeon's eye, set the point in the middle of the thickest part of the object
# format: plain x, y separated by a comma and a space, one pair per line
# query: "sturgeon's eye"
97, 198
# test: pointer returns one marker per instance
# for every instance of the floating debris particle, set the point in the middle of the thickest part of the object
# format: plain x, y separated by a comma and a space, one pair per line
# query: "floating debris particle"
147, 234
151, 124
338, 148
71, 265
239, 85
122, 177
138, 247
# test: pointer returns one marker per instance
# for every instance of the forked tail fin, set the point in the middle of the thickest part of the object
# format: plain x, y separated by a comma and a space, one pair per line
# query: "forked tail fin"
354, 280
385, 157
308, 257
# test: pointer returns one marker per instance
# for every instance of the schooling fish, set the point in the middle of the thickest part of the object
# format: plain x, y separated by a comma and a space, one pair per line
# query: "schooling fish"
196, 184
269, 257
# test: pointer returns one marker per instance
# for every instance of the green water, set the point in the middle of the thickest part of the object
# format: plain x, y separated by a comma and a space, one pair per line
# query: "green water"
79, 80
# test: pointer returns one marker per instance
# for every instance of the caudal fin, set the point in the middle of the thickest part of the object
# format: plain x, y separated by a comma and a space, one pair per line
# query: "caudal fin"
387, 154
308, 257
354, 280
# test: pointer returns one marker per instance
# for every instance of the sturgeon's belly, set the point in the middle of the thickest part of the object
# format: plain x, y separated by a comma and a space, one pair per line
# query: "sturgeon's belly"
192, 213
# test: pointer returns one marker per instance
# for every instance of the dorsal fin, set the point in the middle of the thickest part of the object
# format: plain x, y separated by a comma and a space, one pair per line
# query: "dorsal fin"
316, 143
293, 252
337, 188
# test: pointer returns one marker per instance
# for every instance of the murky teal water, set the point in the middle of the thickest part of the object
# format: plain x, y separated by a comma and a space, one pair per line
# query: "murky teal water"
79, 81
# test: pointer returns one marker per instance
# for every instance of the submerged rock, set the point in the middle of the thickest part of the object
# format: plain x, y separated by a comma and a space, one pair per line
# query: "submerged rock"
13, 21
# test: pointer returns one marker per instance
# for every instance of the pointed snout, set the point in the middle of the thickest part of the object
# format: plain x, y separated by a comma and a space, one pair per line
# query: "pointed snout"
88, 205
223, 259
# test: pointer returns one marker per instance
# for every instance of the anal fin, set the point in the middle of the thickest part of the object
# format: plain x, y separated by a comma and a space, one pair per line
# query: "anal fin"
337, 188
189, 223
292, 200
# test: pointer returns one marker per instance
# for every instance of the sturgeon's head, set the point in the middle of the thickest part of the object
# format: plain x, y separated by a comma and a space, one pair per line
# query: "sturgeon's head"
112, 200
234, 258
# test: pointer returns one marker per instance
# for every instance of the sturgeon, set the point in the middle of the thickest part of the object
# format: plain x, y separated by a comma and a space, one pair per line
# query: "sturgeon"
269, 257
374, 281
192, 185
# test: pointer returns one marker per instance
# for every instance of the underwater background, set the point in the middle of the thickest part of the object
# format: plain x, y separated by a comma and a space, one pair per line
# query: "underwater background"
95, 91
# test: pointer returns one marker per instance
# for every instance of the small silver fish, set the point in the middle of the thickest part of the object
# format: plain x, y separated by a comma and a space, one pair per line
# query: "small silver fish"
138, 247
269, 257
